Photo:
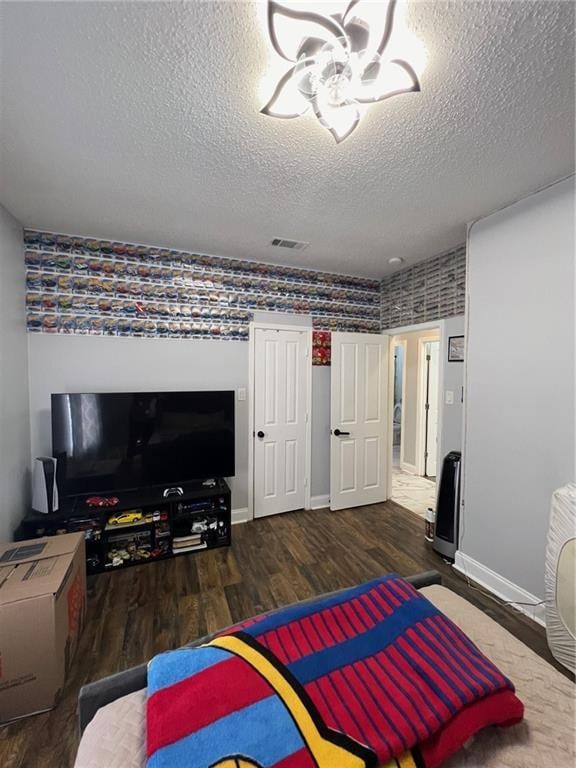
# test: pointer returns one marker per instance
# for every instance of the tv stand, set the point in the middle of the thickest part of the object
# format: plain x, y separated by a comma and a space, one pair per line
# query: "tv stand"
147, 524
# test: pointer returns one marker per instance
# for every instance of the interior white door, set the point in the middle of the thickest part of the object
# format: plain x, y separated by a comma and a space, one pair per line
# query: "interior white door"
280, 420
433, 351
359, 419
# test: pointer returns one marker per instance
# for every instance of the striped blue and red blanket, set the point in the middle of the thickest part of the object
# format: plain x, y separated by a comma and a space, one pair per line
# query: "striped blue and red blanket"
371, 676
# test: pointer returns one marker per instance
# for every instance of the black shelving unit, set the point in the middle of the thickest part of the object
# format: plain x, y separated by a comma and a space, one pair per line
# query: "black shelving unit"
166, 527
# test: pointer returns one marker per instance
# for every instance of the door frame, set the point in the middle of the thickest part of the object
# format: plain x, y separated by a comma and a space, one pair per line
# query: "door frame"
401, 343
252, 327
420, 403
437, 325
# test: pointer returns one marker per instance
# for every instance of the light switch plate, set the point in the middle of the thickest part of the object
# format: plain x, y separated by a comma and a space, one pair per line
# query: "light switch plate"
449, 397
242, 393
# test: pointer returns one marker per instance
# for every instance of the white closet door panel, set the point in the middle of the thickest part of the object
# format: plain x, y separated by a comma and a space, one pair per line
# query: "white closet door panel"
359, 381
279, 420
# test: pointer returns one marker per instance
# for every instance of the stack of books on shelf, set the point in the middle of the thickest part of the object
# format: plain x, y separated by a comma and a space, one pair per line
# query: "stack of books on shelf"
187, 543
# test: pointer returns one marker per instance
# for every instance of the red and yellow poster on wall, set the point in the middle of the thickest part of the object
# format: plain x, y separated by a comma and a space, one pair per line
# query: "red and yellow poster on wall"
321, 347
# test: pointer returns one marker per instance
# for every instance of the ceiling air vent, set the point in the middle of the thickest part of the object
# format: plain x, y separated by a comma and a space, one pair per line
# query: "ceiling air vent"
294, 245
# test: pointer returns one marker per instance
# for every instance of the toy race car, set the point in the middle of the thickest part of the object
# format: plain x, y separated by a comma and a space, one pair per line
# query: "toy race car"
124, 518
156, 517
102, 501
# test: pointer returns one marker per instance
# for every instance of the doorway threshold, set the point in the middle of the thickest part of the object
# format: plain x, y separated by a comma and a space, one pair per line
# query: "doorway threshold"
413, 492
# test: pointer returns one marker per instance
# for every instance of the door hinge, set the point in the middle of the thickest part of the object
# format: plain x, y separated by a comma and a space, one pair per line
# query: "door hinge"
306, 418
427, 407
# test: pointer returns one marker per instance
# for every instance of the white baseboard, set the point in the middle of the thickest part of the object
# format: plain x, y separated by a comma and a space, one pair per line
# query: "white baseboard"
316, 502
410, 468
320, 502
240, 515
500, 586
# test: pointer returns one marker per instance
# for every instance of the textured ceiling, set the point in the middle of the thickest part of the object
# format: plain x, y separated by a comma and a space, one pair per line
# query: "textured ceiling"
140, 122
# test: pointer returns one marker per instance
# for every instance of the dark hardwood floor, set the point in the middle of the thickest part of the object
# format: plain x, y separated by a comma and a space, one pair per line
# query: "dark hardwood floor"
136, 613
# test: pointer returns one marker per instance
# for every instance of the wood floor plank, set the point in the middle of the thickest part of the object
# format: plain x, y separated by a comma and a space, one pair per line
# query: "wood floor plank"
146, 609
215, 609
208, 571
192, 618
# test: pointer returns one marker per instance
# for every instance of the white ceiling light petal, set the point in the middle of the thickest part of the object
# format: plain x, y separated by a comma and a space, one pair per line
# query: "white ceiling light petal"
340, 62
286, 101
369, 25
290, 29
392, 78
340, 120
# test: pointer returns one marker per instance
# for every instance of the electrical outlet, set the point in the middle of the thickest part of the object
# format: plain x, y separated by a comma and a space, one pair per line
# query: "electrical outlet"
449, 397
242, 393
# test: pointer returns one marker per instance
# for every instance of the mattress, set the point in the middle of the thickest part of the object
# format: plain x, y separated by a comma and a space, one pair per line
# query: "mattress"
560, 573
116, 736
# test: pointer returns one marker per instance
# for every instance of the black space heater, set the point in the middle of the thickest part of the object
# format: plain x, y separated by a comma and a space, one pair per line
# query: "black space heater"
448, 507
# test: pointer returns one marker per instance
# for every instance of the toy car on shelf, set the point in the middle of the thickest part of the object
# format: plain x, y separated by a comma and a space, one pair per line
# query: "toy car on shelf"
102, 501
125, 518
156, 517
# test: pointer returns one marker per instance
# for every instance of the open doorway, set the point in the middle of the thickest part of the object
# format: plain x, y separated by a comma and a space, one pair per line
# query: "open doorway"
427, 447
416, 358
399, 349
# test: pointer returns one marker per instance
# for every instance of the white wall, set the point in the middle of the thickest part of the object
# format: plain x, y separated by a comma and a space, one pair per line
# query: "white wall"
14, 414
520, 435
67, 363
452, 415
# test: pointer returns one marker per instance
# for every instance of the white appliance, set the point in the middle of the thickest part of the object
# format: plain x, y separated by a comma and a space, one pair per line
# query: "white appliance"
44, 485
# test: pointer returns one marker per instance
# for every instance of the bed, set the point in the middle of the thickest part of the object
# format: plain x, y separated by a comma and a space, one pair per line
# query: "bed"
112, 711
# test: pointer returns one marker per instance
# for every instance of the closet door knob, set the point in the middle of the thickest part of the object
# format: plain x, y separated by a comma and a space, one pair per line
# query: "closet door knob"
338, 433
260, 433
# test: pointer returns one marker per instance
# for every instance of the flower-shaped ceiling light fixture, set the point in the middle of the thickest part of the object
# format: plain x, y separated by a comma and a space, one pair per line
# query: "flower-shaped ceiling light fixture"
339, 63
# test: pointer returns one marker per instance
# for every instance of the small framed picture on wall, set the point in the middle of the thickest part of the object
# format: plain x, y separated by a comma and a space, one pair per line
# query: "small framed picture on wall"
456, 349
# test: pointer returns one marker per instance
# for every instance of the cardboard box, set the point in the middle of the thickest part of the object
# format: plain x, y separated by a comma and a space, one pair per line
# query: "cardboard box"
42, 611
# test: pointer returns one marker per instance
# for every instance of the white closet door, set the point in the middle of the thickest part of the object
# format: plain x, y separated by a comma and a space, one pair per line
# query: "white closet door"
280, 419
359, 419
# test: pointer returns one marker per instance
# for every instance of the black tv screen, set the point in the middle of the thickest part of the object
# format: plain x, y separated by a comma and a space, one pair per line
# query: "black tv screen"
120, 441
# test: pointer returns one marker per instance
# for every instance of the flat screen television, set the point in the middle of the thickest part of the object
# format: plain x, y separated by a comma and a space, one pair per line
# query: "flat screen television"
119, 441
